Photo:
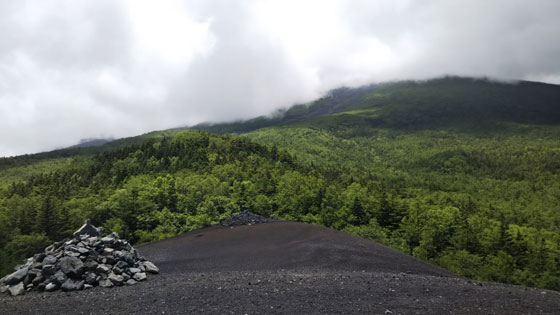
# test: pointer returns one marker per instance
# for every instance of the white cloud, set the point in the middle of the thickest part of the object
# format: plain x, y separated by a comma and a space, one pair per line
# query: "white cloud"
71, 70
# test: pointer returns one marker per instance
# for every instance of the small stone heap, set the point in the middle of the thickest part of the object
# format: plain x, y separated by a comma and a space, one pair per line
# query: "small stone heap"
83, 262
245, 218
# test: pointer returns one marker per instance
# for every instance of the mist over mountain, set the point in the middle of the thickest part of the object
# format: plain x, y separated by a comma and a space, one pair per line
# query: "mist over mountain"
100, 69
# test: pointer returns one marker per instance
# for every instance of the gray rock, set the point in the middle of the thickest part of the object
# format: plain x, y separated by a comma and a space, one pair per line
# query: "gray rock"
3, 288
108, 240
133, 270
91, 265
108, 251
71, 266
51, 287
17, 289
71, 253
48, 270
131, 282
49, 260
41, 287
58, 278
102, 268
16, 276
106, 283
72, 285
78, 249
140, 276
39, 257
38, 279
150, 267
88, 229
50, 248
87, 286
110, 260
116, 279
91, 278
36, 265
122, 264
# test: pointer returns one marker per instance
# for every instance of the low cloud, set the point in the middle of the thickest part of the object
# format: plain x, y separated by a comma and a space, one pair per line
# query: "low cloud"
73, 70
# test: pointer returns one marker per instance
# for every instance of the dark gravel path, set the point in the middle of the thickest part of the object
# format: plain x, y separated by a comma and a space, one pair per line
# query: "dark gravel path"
288, 268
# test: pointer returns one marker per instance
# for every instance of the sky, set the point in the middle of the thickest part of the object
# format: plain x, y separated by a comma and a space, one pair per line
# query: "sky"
73, 70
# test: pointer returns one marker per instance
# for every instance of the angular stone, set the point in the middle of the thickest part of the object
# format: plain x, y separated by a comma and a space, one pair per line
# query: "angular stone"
122, 264
48, 270
87, 286
3, 288
58, 278
129, 258
41, 287
17, 289
108, 240
78, 249
150, 267
71, 253
38, 279
51, 287
91, 265
102, 268
39, 257
16, 277
36, 265
133, 270
71, 266
27, 280
116, 279
88, 229
50, 249
49, 260
140, 276
106, 283
72, 285
125, 276
131, 282
108, 251
91, 278
110, 260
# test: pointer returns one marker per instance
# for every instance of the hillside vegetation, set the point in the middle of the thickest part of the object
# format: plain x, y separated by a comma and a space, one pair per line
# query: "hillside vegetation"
463, 173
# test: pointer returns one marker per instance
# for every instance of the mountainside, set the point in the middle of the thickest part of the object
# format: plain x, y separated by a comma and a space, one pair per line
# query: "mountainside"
463, 173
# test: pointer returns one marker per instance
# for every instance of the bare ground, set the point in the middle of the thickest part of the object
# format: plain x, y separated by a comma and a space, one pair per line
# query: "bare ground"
288, 268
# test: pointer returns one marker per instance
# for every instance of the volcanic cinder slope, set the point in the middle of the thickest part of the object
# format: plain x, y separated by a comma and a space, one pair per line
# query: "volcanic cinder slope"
291, 268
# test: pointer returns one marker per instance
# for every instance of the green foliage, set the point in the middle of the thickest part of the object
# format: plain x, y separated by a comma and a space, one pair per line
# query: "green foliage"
462, 173
19, 248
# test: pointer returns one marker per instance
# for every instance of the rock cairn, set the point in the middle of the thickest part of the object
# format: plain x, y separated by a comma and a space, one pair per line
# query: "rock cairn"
83, 262
245, 218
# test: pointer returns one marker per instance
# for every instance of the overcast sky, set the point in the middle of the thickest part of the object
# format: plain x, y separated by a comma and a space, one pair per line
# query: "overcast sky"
71, 70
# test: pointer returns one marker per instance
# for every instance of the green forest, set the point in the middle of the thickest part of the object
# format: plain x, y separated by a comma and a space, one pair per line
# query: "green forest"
463, 173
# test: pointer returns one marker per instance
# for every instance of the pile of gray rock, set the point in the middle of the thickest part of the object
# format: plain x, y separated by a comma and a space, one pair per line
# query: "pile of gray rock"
83, 262
245, 218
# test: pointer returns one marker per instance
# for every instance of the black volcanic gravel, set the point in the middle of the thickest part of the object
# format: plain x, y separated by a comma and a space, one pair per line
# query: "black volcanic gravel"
288, 268
245, 218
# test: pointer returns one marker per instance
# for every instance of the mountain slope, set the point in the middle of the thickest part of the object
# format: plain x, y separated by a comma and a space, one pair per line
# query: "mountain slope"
459, 172
475, 156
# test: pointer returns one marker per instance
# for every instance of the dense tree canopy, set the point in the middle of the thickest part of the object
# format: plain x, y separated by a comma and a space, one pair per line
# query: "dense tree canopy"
480, 197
